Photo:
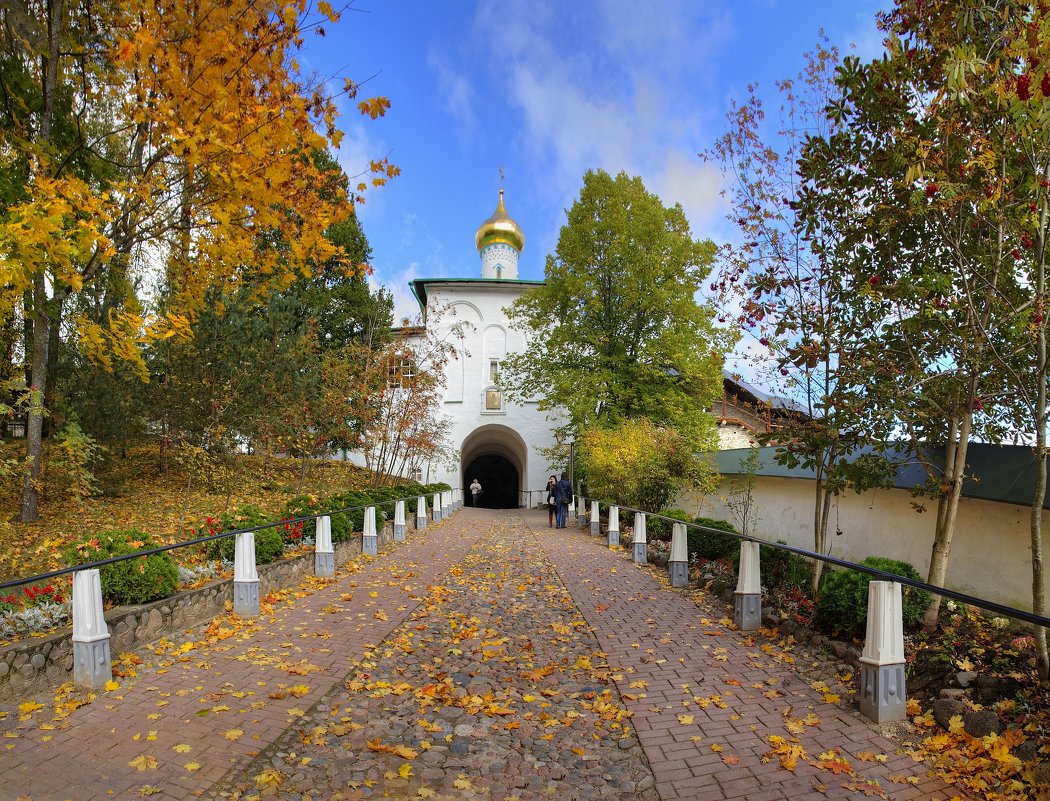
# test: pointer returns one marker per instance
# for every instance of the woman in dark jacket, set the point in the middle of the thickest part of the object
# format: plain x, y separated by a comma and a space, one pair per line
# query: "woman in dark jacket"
552, 482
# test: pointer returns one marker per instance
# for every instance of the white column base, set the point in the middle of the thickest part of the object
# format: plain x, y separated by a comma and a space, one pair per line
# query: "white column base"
679, 573
92, 664
747, 610
882, 694
370, 546
246, 598
324, 564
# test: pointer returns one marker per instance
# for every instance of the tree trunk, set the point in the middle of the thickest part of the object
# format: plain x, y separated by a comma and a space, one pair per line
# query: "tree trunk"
1042, 657
55, 324
948, 509
821, 512
30, 510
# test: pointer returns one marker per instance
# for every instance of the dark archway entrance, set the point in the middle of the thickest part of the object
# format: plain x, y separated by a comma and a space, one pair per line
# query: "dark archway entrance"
498, 478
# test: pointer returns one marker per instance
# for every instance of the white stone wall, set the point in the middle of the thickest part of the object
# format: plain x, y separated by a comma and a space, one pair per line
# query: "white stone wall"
732, 437
991, 551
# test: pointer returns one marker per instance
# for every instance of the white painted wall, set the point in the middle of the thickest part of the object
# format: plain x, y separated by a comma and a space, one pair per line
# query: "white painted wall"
478, 309
990, 556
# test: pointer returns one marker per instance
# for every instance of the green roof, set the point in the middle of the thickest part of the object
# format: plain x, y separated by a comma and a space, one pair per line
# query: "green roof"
419, 285
1004, 473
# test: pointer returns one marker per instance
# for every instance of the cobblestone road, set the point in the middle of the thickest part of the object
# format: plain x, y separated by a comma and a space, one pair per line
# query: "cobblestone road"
486, 658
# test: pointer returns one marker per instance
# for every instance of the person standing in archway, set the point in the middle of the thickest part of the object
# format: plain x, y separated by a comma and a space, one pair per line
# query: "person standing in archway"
475, 491
552, 482
562, 497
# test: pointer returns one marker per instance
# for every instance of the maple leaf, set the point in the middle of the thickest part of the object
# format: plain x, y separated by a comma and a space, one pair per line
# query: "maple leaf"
269, 778
834, 762
685, 719
148, 790
462, 782
233, 734
29, 707
143, 762
192, 766
425, 792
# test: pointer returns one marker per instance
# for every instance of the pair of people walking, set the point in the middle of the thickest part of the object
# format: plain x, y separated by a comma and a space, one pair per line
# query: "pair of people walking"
559, 496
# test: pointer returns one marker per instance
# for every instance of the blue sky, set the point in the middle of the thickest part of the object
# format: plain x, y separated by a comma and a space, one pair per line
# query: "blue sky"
549, 90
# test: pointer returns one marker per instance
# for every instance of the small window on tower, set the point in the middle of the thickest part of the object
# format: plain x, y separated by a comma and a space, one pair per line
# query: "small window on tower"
499, 270
494, 371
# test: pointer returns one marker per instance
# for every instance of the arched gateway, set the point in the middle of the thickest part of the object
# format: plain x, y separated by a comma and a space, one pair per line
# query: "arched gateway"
498, 458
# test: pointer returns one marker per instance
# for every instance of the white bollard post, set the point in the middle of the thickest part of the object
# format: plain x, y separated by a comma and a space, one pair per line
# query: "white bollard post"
92, 663
421, 513
678, 563
641, 549
324, 553
882, 694
581, 512
614, 526
245, 576
748, 595
399, 520
369, 540
570, 511
437, 510
596, 521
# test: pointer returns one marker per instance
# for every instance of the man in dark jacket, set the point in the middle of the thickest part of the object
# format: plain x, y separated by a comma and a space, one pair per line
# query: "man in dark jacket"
562, 497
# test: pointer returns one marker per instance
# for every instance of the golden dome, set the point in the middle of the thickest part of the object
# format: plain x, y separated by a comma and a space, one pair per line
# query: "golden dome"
500, 228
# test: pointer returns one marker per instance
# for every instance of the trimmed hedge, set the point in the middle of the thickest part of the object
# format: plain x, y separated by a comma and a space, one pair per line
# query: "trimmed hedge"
659, 529
842, 606
134, 581
711, 545
269, 542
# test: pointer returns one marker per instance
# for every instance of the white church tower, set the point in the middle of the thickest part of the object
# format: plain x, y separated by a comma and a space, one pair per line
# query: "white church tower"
500, 241
492, 439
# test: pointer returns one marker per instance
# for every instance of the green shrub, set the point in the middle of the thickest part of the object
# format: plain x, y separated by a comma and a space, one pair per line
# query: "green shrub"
659, 529
134, 581
842, 606
711, 545
269, 542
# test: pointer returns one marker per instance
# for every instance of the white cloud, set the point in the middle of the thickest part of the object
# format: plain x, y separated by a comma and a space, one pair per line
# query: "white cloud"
454, 90
396, 282
696, 184
599, 87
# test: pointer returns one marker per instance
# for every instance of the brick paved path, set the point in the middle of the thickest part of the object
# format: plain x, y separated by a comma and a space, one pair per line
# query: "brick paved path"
203, 702
720, 681
705, 699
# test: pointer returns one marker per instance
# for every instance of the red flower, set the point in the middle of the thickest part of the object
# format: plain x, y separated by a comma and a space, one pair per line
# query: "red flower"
1026, 240
932, 189
989, 190
977, 405
1024, 87
962, 170
1044, 85
874, 281
1015, 253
